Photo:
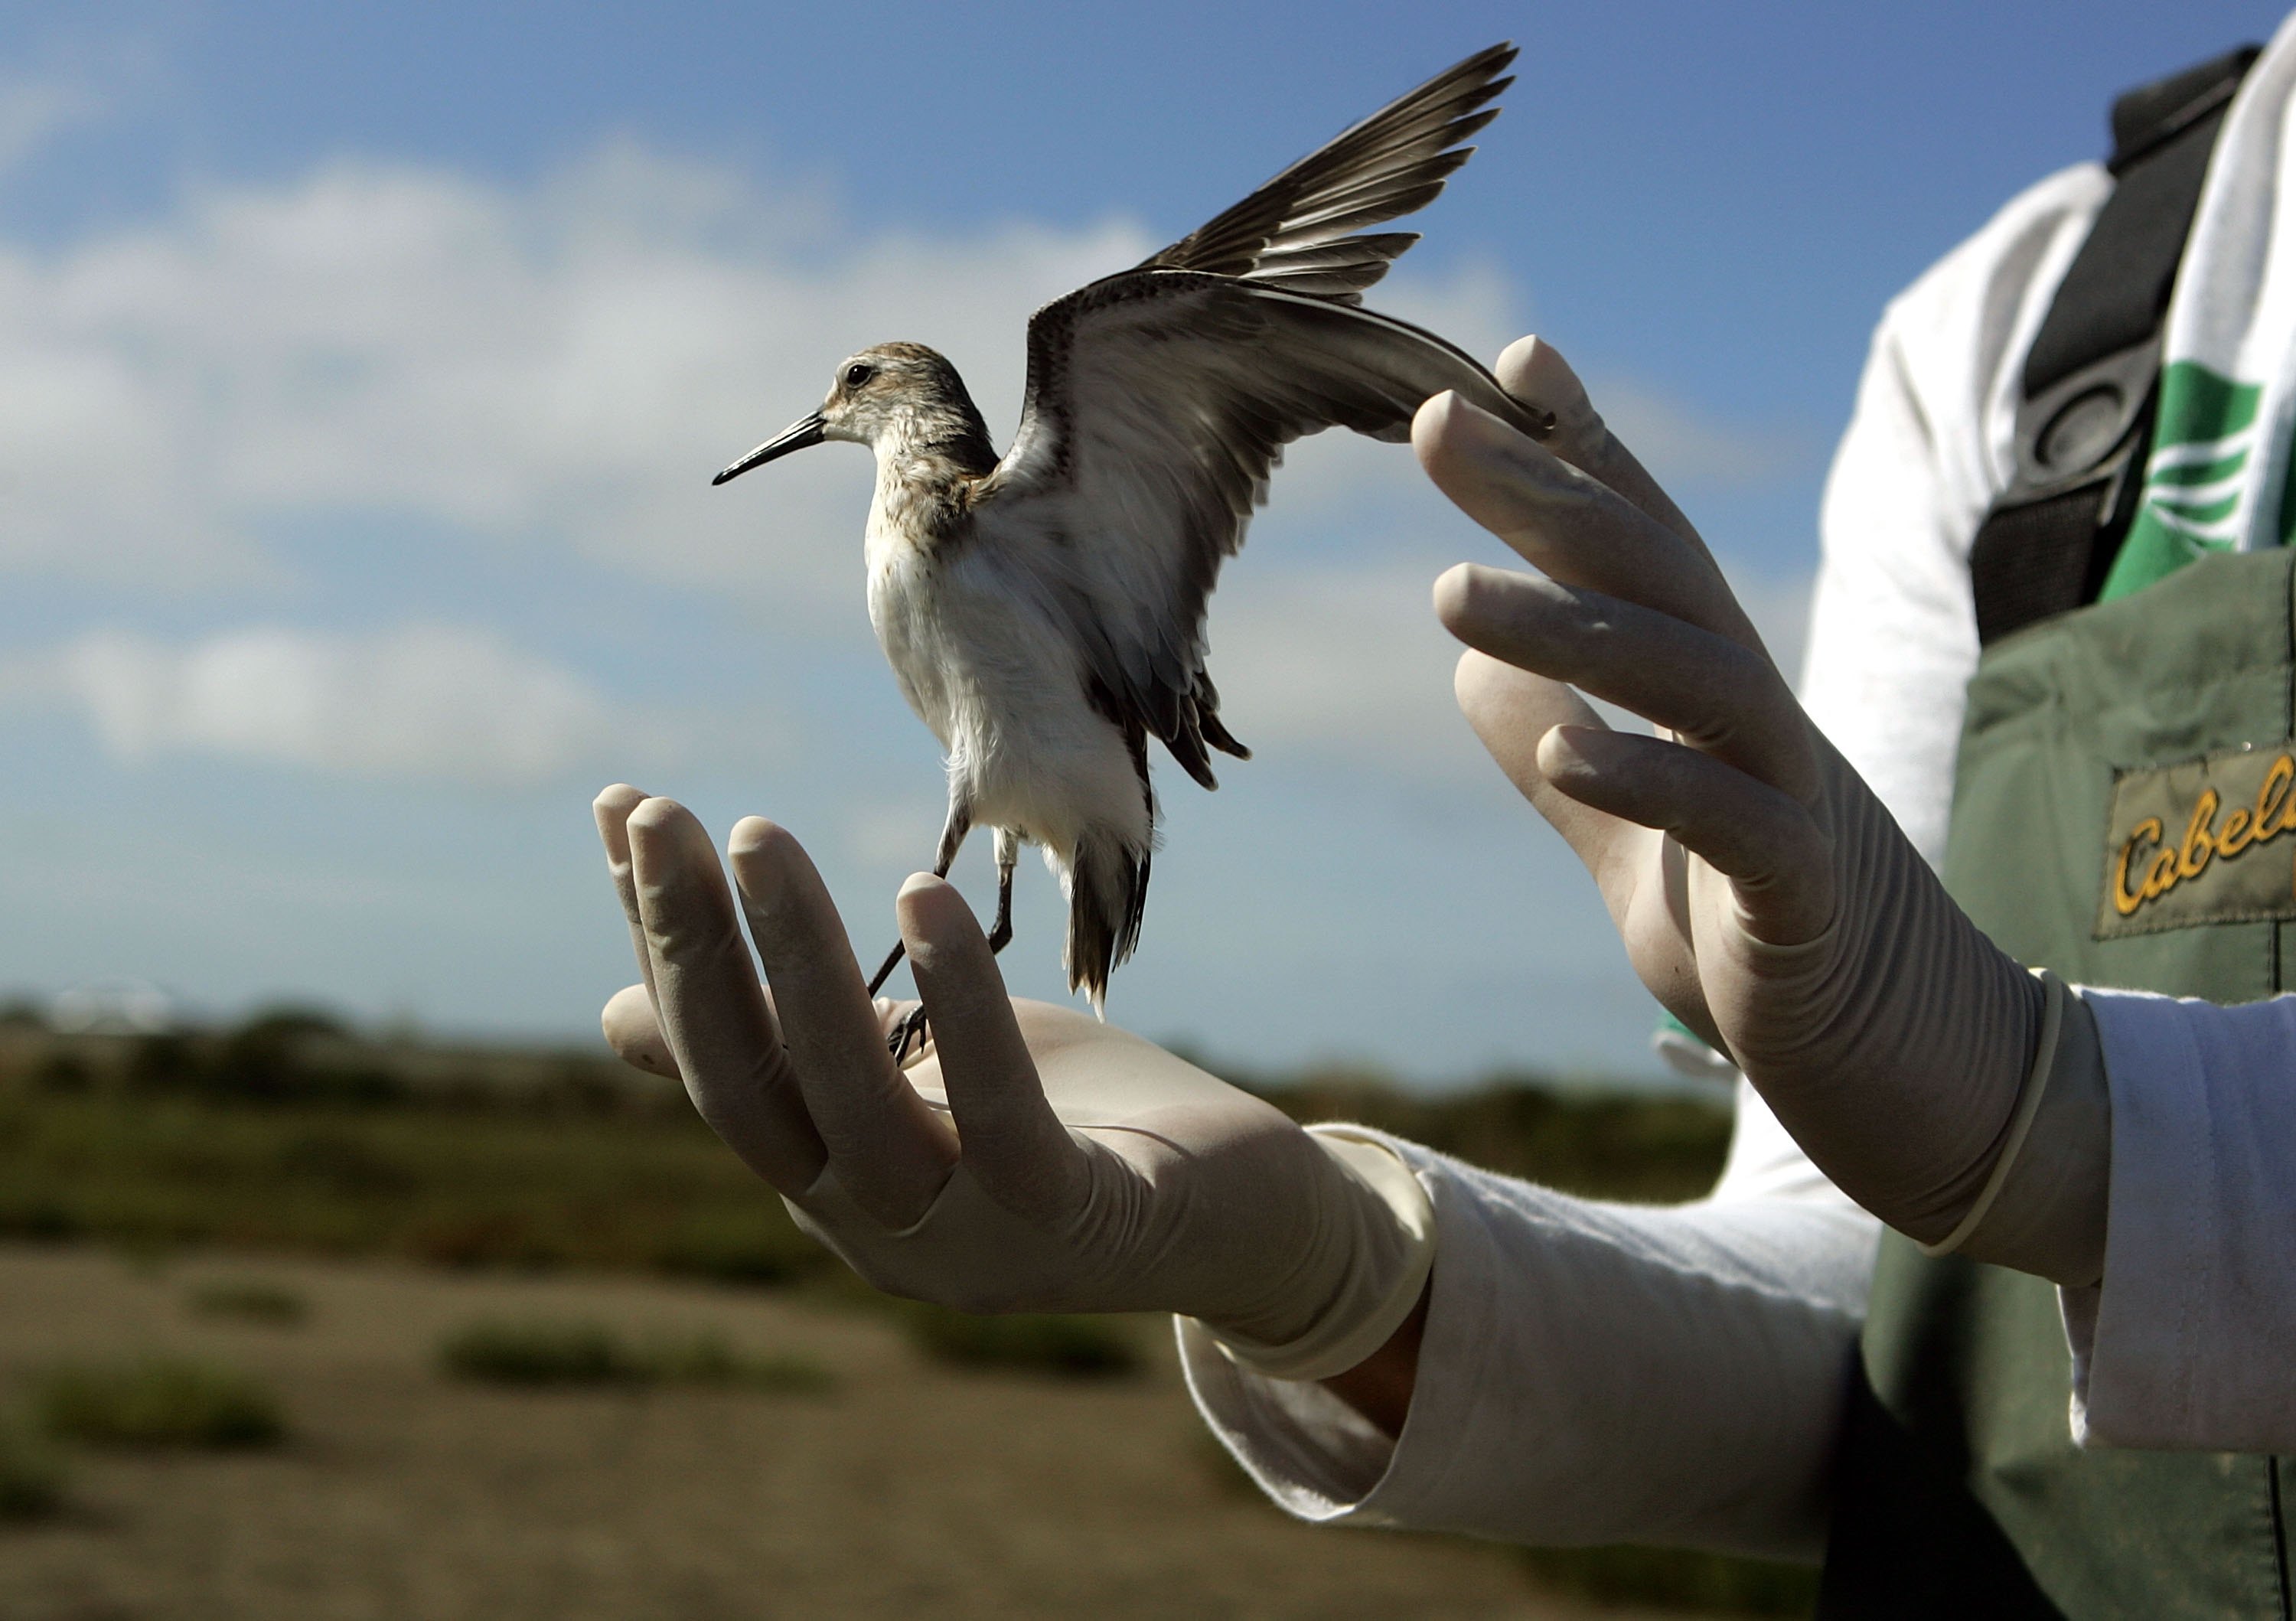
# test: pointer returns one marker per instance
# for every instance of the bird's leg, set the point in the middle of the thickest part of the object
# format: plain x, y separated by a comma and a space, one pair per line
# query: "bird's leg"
1008, 851
912, 1027
952, 836
885, 970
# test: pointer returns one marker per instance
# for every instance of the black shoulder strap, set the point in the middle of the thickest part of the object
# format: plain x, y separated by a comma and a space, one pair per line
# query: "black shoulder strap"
2084, 422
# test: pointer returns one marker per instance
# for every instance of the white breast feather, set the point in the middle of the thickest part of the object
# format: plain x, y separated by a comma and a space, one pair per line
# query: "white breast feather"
987, 667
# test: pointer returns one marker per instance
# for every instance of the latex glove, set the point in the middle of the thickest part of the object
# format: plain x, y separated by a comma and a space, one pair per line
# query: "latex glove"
1765, 896
1033, 1159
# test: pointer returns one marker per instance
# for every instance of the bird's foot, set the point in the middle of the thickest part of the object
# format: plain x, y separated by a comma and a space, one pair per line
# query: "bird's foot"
910, 1030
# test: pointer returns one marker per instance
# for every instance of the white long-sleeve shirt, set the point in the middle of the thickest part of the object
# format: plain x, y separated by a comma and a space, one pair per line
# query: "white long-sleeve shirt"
1596, 1372
1593, 1372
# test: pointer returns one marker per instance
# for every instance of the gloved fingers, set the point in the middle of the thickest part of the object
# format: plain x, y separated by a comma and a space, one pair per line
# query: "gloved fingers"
612, 810
634, 1034
714, 1020
1656, 928
1780, 863
1712, 694
891, 1153
633, 1031
1510, 709
1532, 371
1567, 524
1014, 1145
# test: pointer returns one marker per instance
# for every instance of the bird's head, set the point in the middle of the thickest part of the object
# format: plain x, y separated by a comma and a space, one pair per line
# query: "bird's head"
899, 399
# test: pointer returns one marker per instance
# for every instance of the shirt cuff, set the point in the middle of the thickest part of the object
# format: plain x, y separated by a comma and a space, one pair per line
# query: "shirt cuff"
1311, 1451
2183, 1344
1589, 1373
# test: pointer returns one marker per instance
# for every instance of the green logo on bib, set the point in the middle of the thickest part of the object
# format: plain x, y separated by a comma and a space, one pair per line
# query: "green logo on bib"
2197, 486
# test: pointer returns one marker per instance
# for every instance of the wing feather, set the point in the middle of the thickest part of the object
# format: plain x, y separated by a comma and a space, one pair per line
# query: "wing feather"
1392, 163
1158, 402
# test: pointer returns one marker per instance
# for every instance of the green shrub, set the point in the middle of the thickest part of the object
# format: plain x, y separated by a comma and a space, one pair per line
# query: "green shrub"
249, 1300
709, 1359
786, 1373
1072, 1348
1652, 1149
31, 1473
66, 1074
489, 1238
538, 1352
1678, 1578
510, 1159
547, 1351
159, 1401
45, 1220
757, 1246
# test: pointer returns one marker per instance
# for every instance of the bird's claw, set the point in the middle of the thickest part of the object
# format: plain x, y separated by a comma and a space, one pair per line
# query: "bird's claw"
910, 1029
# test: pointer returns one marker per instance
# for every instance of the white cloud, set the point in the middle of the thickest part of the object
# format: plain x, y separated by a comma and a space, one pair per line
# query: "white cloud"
1347, 664
1684, 450
895, 837
33, 111
566, 362
562, 365
197, 406
1779, 607
1351, 664
1478, 308
423, 701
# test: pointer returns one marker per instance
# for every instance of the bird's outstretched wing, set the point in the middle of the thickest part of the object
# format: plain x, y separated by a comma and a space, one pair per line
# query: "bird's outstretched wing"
1294, 232
1158, 401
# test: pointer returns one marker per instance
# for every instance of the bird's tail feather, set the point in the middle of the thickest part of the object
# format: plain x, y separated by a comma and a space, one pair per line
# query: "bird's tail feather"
1108, 891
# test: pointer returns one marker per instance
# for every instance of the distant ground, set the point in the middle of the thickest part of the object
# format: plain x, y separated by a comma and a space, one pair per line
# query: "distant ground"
356, 1200
909, 1490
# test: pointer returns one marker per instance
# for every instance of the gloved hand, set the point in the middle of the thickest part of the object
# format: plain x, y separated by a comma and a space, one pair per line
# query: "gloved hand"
1033, 1159
1765, 896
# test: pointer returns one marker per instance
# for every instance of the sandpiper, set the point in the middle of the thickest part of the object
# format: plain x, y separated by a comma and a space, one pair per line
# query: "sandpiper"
1043, 611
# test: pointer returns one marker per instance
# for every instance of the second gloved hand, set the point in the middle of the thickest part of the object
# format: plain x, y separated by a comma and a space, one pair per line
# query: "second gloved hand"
1765, 896
1034, 1160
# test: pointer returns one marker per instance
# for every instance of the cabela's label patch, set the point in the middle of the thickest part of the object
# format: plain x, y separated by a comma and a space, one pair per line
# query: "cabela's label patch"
2210, 840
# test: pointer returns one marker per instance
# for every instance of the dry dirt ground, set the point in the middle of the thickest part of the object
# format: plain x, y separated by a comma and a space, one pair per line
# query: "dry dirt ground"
911, 1490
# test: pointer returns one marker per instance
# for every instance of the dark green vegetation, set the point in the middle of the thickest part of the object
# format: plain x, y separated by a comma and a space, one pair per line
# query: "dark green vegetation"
248, 1300
293, 1134
31, 1471
553, 1351
281, 1136
159, 1401
1646, 1148
1678, 1578
1071, 1348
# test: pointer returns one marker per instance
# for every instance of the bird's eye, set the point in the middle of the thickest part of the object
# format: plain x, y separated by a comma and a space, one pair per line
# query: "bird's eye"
857, 375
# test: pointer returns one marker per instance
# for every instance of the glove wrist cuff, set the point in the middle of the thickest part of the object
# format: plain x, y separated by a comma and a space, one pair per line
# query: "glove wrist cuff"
2042, 1209
1382, 1235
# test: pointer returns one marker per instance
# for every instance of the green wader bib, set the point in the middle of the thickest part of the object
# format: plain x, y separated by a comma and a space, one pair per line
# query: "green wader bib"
2125, 814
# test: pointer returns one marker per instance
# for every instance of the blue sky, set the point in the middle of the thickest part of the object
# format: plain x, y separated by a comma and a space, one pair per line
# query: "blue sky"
362, 369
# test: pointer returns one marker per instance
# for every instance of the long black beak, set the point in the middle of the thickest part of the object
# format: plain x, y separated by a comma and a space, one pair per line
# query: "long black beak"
796, 436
